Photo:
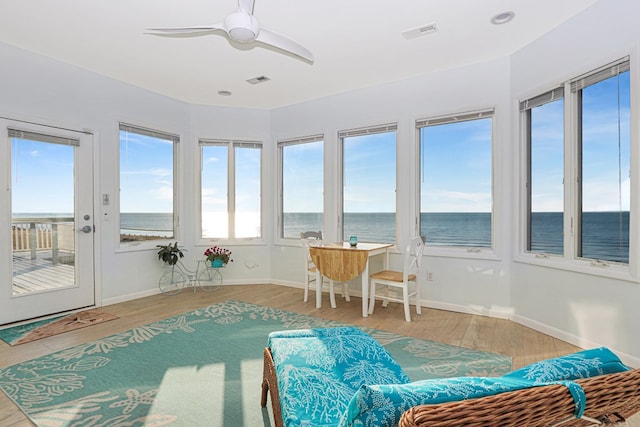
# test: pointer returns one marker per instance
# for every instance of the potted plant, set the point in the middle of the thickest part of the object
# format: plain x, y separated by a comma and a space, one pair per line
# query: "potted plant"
169, 253
218, 256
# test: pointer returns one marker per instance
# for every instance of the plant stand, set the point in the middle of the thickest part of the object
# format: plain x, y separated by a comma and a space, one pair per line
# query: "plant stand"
208, 278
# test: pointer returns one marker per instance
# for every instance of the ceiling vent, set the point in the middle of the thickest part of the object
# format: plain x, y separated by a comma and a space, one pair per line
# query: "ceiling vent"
256, 80
420, 31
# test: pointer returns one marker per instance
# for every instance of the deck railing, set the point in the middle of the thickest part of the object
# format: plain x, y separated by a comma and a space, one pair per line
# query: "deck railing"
34, 234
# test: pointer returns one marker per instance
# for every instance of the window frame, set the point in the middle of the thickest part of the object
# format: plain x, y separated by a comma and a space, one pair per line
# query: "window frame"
354, 132
459, 251
570, 261
231, 144
576, 86
175, 138
281, 144
525, 109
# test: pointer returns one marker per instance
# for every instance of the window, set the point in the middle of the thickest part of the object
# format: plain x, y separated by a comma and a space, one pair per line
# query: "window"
603, 143
147, 210
231, 190
215, 182
543, 121
579, 207
369, 183
301, 186
456, 179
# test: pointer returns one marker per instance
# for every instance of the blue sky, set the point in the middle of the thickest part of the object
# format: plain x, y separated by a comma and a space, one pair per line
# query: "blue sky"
456, 176
605, 170
41, 177
369, 176
456, 167
146, 173
304, 175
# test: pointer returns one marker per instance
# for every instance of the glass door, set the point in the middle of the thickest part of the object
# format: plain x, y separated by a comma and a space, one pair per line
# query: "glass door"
50, 228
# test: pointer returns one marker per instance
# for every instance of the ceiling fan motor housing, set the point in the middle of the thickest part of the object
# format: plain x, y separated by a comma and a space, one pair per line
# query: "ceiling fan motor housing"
242, 27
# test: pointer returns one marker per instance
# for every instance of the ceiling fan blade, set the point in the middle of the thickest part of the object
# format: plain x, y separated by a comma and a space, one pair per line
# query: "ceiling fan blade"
246, 6
186, 30
284, 43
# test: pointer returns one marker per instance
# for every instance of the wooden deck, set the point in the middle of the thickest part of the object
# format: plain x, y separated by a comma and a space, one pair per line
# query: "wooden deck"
41, 274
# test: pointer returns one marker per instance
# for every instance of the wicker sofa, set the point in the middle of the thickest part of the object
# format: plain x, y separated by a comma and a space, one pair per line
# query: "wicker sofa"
342, 377
611, 399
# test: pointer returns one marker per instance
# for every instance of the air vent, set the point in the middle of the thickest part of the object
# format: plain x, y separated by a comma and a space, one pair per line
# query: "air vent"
256, 80
420, 31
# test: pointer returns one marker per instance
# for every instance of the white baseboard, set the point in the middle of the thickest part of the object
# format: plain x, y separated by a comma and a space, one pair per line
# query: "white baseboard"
497, 312
581, 342
129, 297
146, 293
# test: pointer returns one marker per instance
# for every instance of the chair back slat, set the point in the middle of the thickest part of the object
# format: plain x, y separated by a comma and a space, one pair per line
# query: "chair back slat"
306, 237
413, 257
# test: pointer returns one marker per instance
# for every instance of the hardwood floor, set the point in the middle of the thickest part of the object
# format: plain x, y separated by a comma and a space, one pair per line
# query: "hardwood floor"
524, 345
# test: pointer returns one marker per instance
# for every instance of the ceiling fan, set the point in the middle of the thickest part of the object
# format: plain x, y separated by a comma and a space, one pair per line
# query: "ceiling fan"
242, 27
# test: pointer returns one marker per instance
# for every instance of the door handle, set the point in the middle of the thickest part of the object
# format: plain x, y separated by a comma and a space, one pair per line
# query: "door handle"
87, 229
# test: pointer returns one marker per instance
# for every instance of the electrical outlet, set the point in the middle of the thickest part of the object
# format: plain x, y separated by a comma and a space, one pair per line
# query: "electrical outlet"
429, 276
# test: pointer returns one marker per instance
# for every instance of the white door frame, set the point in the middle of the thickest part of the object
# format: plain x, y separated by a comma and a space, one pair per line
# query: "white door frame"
83, 293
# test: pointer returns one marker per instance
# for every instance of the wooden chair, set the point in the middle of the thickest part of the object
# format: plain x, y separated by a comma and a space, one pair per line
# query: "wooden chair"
400, 280
307, 238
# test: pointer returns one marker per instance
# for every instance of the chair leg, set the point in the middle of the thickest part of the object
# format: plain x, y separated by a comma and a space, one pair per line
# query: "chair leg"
418, 306
332, 294
385, 299
405, 299
372, 297
306, 288
265, 390
345, 291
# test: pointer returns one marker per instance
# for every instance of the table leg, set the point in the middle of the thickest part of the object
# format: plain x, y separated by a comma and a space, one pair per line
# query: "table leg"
318, 289
365, 290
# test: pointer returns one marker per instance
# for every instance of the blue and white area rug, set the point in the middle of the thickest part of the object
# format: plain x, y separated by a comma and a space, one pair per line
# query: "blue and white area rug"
202, 368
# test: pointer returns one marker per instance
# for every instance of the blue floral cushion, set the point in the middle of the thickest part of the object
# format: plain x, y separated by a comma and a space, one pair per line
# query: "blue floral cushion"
583, 364
319, 371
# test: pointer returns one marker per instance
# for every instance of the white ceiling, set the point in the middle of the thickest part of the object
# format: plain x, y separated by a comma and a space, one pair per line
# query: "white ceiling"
356, 43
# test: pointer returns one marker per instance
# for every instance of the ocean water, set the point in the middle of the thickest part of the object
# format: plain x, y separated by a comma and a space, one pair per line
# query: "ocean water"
141, 224
605, 234
147, 224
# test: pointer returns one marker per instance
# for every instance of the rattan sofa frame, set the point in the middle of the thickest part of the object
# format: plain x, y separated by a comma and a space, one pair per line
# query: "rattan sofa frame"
611, 398
270, 385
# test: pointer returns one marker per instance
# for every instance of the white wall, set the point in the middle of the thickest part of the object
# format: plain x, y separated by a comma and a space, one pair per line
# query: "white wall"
582, 308
39, 89
477, 284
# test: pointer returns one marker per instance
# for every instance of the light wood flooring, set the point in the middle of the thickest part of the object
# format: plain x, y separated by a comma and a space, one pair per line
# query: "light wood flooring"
522, 344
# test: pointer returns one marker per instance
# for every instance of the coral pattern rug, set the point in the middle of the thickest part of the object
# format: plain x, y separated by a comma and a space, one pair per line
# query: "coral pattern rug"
201, 368
46, 328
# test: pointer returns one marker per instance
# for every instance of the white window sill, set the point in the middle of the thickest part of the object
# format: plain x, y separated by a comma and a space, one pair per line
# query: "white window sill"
606, 269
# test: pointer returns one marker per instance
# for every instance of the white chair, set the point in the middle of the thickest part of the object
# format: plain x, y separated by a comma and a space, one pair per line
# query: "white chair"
307, 238
400, 280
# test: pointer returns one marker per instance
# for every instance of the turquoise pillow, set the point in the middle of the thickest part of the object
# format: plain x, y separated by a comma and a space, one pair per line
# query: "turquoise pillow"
383, 405
583, 364
319, 371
